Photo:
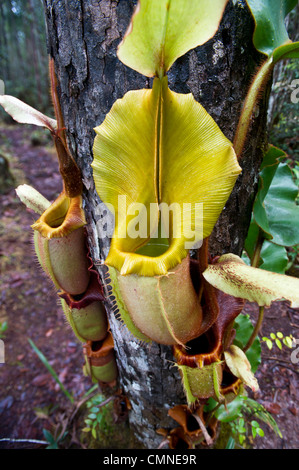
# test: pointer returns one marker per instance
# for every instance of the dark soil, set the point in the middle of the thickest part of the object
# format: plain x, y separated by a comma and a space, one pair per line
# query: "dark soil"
29, 303
32, 310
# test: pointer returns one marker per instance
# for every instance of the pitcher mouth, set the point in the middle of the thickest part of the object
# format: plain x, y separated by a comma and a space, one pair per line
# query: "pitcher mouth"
100, 352
164, 259
199, 352
63, 217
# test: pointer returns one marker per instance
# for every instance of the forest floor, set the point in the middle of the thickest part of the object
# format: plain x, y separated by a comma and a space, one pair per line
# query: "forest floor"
30, 399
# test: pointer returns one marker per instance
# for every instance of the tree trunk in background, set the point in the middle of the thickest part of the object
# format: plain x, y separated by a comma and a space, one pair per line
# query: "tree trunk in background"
83, 38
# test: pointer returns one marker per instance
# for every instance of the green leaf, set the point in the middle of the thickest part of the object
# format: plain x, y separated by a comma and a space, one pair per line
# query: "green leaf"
244, 330
230, 443
270, 34
274, 257
241, 423
48, 436
234, 277
262, 414
231, 411
94, 409
276, 212
275, 204
86, 429
260, 432
278, 343
163, 30
255, 424
288, 342
159, 147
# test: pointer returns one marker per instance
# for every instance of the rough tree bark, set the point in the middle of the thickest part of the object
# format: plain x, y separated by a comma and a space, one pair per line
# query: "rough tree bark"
82, 39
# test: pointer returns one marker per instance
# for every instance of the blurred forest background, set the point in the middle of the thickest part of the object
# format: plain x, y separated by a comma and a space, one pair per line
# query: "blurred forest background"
23, 52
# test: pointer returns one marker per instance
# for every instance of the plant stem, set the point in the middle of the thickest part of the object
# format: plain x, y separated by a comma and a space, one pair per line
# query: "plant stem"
257, 250
256, 329
253, 94
254, 263
208, 438
69, 170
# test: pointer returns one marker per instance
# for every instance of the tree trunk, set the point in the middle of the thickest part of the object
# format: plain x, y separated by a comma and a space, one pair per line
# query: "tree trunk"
82, 39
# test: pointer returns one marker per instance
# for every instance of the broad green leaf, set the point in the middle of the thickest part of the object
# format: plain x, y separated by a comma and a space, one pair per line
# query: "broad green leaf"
231, 275
271, 158
231, 411
239, 366
268, 168
163, 30
25, 114
282, 212
244, 330
270, 35
158, 147
272, 257
275, 210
